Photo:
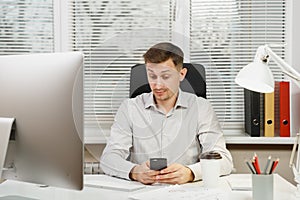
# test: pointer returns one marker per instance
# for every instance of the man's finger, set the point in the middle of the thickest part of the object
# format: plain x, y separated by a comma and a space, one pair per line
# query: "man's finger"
170, 169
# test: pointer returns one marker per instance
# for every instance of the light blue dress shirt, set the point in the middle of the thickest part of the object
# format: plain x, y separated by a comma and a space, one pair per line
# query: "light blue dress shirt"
141, 131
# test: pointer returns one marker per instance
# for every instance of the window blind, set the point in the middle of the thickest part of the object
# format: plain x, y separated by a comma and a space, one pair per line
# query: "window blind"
26, 26
113, 36
224, 38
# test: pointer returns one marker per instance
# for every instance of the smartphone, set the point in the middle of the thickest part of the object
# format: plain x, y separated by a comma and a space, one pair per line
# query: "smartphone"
158, 163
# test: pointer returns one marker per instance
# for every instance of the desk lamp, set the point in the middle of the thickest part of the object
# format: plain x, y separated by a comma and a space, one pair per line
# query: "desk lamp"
258, 77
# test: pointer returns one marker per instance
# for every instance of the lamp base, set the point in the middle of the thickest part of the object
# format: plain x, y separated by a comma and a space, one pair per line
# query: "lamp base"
297, 193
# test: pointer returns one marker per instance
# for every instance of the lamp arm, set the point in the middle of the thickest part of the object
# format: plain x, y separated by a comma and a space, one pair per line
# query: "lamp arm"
286, 68
290, 75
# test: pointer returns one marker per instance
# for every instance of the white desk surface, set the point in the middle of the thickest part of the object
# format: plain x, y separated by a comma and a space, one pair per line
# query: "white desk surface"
282, 190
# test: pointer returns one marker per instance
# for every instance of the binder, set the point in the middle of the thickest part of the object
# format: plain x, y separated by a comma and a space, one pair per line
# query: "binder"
269, 120
284, 108
252, 112
277, 112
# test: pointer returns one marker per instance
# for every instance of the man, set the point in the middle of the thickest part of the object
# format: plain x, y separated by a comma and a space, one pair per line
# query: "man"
165, 123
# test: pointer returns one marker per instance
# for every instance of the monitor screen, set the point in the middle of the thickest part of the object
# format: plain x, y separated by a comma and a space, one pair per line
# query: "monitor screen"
44, 93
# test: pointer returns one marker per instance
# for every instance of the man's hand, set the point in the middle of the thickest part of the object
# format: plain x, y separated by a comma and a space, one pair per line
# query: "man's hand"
143, 174
175, 174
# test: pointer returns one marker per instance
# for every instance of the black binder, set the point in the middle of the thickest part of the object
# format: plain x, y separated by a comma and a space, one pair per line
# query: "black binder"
252, 112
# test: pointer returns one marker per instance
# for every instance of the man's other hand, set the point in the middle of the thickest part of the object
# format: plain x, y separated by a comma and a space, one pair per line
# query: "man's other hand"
175, 174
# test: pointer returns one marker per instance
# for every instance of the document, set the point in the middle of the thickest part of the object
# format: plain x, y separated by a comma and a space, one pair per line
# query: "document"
181, 192
111, 183
240, 182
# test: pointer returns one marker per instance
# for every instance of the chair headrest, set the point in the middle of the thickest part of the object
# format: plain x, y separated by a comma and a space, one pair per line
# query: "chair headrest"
194, 81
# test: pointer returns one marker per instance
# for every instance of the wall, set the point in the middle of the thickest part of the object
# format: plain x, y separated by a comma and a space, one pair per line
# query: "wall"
240, 153
292, 47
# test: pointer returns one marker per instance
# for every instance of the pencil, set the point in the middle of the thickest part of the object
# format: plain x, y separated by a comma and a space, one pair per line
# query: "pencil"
250, 167
270, 172
274, 166
256, 164
267, 165
253, 166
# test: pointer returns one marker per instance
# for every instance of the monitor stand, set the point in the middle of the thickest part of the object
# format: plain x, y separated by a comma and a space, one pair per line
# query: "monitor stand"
6, 128
6, 131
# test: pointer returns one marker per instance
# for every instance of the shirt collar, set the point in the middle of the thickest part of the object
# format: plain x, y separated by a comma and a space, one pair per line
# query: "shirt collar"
149, 100
181, 100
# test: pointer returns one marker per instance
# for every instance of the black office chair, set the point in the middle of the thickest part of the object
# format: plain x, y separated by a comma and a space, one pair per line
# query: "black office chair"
194, 81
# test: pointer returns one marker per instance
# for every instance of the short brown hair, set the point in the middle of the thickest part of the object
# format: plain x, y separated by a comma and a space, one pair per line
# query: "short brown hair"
161, 52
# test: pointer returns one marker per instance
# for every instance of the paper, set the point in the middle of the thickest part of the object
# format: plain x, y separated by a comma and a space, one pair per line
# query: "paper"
241, 182
14, 197
107, 182
180, 192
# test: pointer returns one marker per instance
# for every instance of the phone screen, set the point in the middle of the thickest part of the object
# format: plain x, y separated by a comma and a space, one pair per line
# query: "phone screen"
158, 163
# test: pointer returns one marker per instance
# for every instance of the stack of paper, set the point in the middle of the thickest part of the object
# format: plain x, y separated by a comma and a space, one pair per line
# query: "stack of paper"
241, 182
112, 183
180, 192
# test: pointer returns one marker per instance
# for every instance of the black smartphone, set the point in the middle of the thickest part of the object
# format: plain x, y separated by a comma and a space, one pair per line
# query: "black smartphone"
158, 163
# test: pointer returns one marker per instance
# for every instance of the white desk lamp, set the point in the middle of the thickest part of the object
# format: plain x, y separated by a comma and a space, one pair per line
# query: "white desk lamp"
257, 77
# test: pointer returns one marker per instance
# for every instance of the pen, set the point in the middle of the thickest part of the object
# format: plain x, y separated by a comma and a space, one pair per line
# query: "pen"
267, 165
250, 167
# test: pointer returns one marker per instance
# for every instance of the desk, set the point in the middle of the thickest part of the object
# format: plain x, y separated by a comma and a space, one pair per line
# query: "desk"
283, 190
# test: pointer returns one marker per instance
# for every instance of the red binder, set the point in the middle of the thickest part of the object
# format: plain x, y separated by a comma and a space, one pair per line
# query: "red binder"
284, 108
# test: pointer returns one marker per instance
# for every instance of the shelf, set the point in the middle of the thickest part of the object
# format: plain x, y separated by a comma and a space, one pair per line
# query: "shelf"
231, 137
258, 140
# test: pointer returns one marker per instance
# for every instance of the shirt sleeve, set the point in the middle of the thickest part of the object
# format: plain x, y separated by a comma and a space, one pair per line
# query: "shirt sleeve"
211, 138
114, 157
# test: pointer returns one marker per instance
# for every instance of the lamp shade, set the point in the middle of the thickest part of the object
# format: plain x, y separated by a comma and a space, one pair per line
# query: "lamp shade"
257, 77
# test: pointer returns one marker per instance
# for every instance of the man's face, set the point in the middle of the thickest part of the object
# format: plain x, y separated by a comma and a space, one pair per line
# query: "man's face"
164, 79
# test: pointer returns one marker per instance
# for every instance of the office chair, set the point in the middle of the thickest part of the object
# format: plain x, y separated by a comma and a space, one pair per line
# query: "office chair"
194, 81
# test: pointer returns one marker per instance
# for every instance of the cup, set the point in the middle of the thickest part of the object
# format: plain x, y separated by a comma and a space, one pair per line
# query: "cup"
262, 186
210, 166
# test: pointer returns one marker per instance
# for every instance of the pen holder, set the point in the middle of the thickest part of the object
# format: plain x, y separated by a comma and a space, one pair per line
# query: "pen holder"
262, 186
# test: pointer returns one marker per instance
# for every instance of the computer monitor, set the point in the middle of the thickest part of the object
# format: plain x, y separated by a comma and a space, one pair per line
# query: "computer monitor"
44, 93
